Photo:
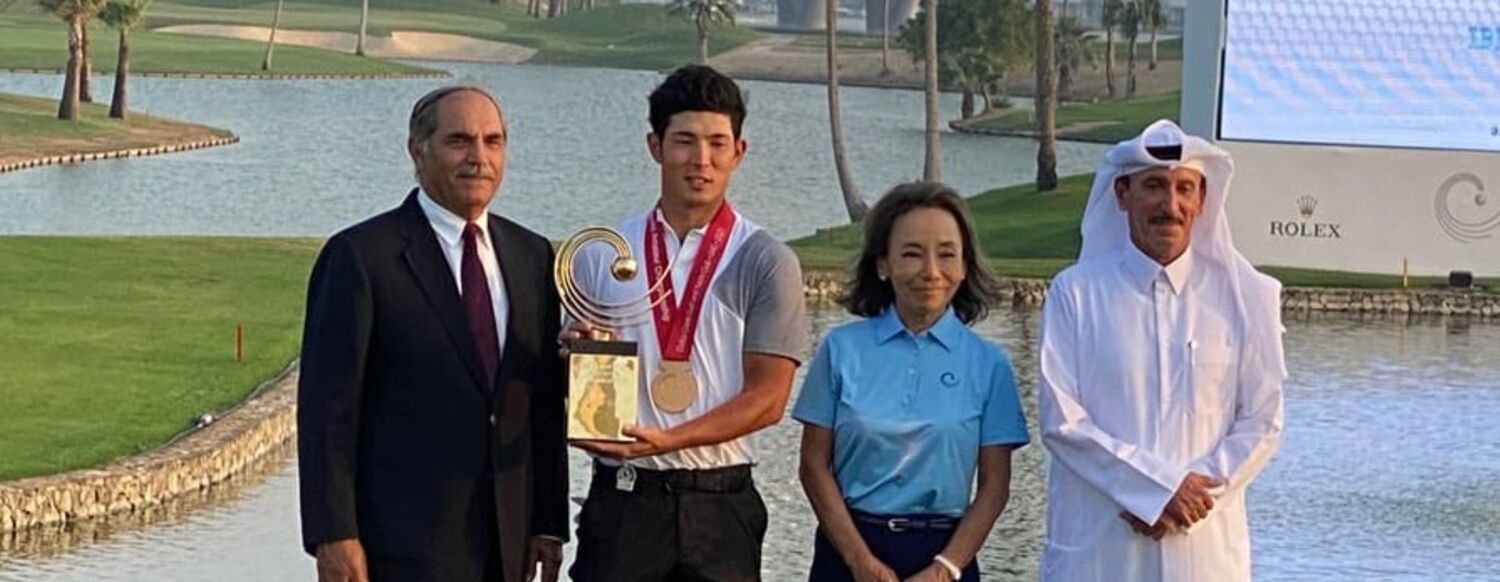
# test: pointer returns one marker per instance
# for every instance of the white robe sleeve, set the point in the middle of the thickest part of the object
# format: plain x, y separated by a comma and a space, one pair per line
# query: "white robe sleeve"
1139, 481
1256, 432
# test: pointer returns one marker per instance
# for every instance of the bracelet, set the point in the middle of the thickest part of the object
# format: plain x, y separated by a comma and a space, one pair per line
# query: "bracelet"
953, 570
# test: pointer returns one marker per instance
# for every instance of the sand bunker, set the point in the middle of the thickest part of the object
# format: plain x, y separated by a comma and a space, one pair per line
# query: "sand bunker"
406, 45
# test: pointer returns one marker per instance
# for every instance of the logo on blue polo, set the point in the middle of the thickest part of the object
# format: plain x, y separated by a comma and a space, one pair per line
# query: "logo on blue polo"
949, 379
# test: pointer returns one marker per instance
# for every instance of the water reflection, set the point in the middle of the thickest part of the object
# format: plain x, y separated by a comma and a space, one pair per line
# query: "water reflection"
1387, 472
51, 541
235, 530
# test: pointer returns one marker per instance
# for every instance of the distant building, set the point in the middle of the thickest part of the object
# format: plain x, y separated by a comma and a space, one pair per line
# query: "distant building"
800, 15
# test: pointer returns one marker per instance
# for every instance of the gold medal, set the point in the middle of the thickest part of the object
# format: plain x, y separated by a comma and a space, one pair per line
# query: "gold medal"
673, 389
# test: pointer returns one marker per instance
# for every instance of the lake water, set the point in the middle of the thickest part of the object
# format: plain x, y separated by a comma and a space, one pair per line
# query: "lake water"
316, 156
1388, 472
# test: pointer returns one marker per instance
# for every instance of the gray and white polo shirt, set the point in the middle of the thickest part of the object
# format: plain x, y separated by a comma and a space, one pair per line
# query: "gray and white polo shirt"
755, 304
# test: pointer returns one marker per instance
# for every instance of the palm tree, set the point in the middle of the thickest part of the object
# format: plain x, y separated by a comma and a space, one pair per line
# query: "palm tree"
1046, 100
86, 73
1110, 18
1005, 29
1155, 20
1132, 19
265, 65
932, 166
979, 43
853, 203
885, 38
972, 70
364, 21
74, 13
124, 16
1075, 48
704, 14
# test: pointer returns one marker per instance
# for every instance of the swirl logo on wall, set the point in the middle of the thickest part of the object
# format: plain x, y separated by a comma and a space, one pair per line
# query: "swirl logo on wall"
1466, 214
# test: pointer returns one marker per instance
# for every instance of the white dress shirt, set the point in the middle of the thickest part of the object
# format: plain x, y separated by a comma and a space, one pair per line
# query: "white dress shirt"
450, 237
1144, 377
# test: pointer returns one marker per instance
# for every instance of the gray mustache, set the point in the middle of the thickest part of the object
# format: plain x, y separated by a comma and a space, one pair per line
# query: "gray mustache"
473, 171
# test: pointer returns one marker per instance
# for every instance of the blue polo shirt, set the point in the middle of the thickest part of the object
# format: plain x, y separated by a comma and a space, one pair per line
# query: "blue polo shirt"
909, 412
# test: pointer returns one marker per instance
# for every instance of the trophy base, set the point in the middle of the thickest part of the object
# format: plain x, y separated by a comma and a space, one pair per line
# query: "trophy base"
603, 387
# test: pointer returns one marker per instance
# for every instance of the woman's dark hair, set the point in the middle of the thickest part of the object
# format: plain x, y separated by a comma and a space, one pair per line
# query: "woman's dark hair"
696, 88
867, 296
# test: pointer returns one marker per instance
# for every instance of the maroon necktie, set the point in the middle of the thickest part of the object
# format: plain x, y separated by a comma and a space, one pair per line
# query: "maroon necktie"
479, 307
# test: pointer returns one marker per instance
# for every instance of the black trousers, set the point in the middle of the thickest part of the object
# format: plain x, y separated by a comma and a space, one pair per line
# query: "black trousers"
674, 526
483, 564
906, 552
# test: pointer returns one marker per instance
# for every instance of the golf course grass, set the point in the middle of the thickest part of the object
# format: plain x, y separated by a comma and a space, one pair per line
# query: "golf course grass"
29, 129
1031, 235
113, 345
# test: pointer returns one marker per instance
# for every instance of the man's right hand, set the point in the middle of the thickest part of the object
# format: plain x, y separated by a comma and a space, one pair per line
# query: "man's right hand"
1192, 502
342, 561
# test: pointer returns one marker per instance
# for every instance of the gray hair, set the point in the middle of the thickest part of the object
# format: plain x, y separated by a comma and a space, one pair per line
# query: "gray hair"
424, 114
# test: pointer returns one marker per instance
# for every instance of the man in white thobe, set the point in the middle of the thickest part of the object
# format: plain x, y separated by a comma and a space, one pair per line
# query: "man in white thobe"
1161, 368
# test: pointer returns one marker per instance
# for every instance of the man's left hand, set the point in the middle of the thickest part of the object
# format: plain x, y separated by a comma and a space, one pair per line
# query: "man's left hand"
545, 553
649, 441
934, 572
1155, 532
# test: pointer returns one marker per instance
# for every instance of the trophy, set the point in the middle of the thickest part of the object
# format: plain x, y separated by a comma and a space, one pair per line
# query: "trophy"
603, 373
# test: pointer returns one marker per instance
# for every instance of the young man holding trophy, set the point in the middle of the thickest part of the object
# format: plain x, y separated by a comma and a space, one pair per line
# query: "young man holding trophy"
718, 326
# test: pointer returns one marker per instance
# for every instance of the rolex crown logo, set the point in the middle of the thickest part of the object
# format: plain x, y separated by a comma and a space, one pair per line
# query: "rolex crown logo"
1306, 205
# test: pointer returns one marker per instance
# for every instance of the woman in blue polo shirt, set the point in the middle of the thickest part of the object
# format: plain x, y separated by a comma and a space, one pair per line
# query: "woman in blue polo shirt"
901, 409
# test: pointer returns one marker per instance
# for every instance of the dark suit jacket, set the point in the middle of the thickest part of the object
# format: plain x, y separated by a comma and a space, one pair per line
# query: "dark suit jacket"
400, 443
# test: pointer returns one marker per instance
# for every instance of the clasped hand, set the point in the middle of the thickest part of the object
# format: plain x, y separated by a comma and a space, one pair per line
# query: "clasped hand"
1189, 505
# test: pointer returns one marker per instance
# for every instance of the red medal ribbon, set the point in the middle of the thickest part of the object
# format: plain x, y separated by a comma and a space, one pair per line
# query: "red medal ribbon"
677, 322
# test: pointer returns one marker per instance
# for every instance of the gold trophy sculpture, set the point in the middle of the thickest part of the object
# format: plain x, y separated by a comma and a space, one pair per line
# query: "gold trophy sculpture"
603, 379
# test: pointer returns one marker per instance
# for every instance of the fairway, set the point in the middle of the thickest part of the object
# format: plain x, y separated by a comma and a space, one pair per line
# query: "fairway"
113, 345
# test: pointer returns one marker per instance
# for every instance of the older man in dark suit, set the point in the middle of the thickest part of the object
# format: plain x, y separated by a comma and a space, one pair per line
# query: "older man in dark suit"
430, 407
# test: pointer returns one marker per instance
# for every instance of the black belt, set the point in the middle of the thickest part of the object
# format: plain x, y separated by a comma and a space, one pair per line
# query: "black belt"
898, 524
722, 480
